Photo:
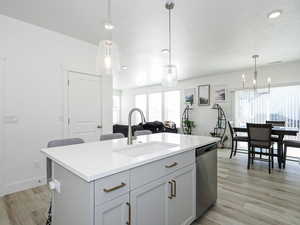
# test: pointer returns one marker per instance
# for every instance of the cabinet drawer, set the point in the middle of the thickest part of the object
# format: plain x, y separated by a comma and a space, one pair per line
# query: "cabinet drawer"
111, 187
152, 171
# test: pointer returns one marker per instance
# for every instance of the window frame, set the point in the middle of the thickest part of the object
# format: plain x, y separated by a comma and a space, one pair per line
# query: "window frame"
119, 109
162, 92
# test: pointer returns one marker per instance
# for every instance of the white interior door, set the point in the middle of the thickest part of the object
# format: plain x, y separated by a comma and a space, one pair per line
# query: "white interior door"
85, 106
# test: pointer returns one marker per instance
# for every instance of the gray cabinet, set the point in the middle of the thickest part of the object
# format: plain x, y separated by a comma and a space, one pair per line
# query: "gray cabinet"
149, 203
169, 200
113, 212
182, 205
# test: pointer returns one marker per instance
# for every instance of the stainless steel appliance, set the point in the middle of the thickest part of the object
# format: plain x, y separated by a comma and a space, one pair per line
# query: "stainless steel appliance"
206, 178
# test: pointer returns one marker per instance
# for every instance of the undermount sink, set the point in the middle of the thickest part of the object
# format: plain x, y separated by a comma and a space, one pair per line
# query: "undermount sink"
136, 150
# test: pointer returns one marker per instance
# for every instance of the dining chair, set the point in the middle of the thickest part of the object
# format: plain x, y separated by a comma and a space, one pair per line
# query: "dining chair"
259, 136
235, 139
52, 144
142, 132
64, 142
105, 137
289, 143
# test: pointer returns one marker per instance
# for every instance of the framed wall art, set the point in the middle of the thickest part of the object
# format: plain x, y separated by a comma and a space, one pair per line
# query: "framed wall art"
204, 95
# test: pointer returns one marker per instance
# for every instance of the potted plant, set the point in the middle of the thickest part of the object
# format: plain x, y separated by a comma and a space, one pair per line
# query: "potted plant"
188, 125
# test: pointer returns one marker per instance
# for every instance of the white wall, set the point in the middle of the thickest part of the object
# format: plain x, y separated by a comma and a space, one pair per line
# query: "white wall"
2, 69
34, 95
204, 116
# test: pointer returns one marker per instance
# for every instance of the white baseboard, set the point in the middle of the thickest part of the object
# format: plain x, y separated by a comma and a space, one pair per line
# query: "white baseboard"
23, 185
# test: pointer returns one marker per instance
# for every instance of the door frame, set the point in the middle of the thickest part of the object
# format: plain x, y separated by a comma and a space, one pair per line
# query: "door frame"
66, 71
3, 61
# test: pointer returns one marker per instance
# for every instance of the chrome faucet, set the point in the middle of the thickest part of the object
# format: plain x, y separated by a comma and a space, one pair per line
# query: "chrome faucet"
129, 139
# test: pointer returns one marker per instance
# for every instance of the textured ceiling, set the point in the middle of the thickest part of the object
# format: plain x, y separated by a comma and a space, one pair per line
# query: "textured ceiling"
209, 36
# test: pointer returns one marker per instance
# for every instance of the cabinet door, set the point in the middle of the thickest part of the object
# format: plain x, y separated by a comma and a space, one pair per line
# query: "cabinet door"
182, 206
114, 212
149, 203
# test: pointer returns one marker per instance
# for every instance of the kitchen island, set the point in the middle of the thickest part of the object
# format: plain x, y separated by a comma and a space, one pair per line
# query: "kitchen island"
152, 182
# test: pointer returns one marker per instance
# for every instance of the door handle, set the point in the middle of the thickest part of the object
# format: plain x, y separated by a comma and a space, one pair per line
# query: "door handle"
175, 189
129, 213
171, 194
99, 126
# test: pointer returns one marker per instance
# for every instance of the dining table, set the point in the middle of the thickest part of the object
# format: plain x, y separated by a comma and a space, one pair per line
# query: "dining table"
279, 131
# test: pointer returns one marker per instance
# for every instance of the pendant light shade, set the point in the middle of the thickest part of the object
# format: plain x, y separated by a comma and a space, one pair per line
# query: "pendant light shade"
169, 74
169, 78
107, 58
108, 25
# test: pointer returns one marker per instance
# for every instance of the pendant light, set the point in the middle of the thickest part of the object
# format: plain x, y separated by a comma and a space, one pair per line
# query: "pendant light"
255, 71
169, 76
108, 25
108, 43
107, 56
254, 81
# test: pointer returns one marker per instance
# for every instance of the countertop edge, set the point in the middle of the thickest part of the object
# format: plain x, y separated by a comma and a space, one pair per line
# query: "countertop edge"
123, 168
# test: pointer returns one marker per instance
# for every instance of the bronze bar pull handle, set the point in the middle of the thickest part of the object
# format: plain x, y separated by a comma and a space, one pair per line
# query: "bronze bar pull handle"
114, 188
129, 213
175, 188
172, 165
171, 195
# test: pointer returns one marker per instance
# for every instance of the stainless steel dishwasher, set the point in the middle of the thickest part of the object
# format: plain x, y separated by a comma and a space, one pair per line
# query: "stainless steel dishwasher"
206, 178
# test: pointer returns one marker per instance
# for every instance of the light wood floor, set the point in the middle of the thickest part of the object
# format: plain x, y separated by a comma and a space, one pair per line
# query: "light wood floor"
245, 197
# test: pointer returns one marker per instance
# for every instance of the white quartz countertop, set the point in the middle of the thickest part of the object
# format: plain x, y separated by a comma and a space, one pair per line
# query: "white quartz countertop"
96, 160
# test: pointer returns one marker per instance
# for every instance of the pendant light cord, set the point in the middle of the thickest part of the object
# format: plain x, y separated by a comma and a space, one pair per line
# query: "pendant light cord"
170, 46
109, 10
255, 72
110, 36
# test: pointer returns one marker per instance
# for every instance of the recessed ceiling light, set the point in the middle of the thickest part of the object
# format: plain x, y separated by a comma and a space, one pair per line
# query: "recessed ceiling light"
274, 14
124, 67
165, 50
109, 26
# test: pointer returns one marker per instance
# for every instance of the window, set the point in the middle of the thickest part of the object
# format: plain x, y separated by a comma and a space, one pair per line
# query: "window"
172, 107
283, 103
141, 103
155, 107
159, 106
116, 109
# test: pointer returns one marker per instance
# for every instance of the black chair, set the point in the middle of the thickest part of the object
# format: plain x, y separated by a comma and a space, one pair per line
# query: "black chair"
235, 139
259, 136
289, 143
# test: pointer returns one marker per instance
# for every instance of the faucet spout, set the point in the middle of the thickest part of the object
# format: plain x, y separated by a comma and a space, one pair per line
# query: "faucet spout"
129, 138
